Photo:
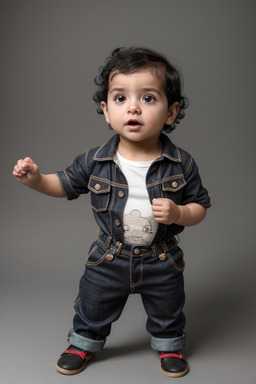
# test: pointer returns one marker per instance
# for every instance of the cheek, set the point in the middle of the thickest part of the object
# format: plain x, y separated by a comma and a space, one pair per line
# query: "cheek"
115, 116
158, 117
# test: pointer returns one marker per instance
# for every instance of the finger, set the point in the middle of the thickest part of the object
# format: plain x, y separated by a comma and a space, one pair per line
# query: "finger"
30, 163
157, 206
157, 201
28, 159
160, 200
17, 171
25, 165
157, 214
20, 165
157, 211
28, 166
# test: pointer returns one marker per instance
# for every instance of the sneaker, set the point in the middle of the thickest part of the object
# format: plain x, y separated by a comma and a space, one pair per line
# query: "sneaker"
173, 364
73, 360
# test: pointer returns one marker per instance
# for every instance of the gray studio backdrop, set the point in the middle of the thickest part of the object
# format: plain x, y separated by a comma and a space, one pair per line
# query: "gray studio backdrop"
50, 54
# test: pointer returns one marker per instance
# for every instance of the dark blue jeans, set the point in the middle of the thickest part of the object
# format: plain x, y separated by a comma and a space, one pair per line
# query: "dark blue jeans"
112, 272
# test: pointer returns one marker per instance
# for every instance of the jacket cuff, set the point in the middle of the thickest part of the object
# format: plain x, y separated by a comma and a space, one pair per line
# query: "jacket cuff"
66, 186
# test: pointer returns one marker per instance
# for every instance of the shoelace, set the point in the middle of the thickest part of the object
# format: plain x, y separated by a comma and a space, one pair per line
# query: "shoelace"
81, 354
163, 355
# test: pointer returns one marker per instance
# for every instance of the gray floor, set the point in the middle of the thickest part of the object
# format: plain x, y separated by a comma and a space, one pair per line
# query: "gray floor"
219, 349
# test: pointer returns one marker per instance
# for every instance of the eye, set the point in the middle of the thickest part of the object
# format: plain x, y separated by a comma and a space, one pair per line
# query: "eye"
119, 98
149, 99
147, 229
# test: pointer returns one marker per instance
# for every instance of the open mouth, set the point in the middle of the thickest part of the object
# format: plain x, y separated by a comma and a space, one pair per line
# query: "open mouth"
133, 123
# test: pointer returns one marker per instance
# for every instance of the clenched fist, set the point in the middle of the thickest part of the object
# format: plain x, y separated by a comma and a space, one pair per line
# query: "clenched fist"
165, 211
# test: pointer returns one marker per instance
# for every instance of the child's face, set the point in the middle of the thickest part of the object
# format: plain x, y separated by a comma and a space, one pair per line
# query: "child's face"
137, 105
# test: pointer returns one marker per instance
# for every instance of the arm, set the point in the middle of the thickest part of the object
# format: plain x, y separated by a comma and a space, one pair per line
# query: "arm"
27, 173
165, 211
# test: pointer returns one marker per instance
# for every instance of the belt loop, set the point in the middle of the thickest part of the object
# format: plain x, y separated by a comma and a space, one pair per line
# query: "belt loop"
154, 250
118, 248
108, 242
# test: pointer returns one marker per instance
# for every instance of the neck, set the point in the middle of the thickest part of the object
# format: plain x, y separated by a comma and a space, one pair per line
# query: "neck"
139, 152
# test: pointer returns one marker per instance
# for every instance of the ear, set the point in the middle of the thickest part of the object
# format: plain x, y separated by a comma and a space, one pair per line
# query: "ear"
173, 112
104, 108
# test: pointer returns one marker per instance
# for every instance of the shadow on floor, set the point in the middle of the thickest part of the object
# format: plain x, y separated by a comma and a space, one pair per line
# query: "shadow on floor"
221, 316
129, 348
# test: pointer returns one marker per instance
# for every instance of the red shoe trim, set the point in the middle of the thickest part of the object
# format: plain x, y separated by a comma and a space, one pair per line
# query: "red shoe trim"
81, 354
177, 355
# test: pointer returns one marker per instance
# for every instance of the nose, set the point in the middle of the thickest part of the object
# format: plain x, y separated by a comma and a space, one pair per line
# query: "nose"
134, 108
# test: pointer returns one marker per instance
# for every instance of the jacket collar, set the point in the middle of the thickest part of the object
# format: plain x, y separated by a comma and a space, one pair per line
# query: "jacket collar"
170, 151
108, 150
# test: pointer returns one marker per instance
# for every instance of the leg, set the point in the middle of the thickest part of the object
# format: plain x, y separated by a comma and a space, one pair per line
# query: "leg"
102, 296
163, 298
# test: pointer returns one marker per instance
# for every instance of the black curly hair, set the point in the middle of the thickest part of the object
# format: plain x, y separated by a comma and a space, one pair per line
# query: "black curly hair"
129, 60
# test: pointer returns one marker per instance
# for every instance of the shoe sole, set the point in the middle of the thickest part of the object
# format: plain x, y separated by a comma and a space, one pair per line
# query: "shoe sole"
174, 374
74, 371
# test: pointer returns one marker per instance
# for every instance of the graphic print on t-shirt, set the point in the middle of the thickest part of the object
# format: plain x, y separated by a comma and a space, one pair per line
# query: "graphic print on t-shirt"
138, 221
137, 229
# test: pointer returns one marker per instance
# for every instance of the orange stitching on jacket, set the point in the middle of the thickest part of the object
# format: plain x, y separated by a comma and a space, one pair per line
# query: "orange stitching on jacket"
78, 194
188, 166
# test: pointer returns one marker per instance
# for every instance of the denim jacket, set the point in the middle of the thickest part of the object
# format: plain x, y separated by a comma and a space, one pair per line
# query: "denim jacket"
173, 175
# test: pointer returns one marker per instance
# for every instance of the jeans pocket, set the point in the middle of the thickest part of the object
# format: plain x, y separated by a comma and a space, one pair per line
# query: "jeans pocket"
176, 257
97, 255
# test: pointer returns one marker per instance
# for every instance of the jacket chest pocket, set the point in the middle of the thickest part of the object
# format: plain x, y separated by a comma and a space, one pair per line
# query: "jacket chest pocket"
172, 188
100, 194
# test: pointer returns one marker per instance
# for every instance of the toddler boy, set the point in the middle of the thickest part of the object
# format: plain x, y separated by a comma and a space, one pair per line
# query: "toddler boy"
144, 191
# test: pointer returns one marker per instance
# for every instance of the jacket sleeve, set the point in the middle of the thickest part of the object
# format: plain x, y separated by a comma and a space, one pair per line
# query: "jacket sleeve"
74, 179
194, 191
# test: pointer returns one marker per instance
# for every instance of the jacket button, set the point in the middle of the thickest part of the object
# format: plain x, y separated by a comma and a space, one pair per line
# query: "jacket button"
109, 257
117, 222
121, 193
162, 257
136, 251
175, 184
97, 187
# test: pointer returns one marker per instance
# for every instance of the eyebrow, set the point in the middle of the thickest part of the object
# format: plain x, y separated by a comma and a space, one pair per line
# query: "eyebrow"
119, 89
152, 90
116, 89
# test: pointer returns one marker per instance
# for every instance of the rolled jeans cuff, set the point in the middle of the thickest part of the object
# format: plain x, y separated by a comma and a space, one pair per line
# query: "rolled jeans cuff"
84, 343
167, 345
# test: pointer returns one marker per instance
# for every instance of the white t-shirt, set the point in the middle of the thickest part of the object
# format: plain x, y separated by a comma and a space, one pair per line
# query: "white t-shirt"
138, 221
